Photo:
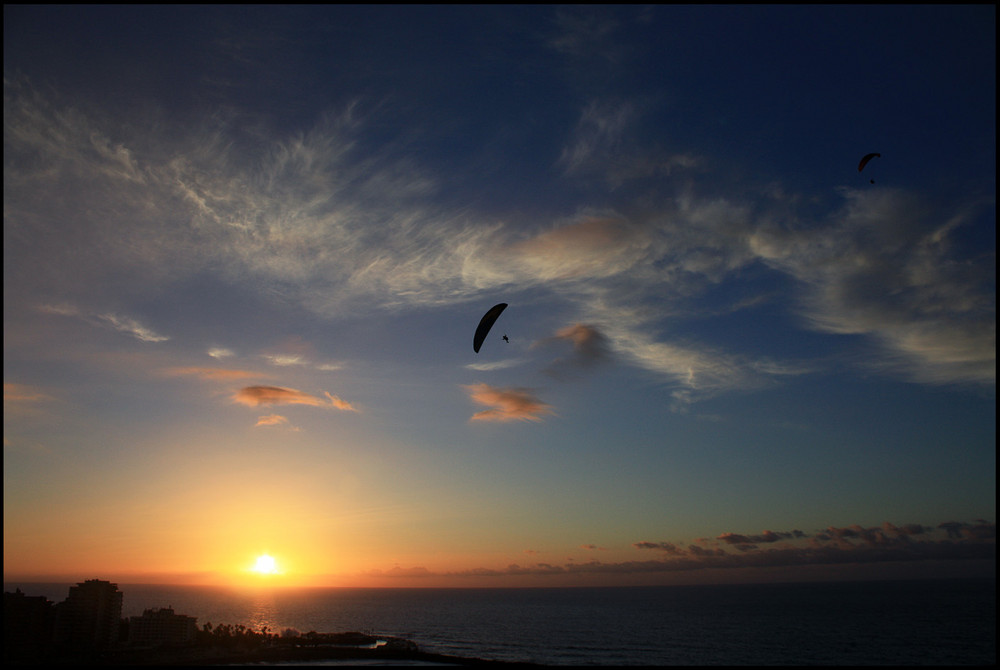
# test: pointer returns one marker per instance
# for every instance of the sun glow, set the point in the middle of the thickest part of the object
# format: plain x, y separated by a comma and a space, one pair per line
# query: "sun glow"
266, 565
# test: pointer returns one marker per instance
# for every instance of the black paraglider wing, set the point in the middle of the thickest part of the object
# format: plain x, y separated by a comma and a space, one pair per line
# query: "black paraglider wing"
485, 324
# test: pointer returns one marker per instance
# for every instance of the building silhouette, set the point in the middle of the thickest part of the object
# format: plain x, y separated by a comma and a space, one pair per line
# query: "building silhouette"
28, 623
90, 617
161, 627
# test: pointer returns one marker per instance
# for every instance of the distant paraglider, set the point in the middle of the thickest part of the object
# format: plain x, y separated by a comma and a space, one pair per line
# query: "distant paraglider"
864, 162
485, 324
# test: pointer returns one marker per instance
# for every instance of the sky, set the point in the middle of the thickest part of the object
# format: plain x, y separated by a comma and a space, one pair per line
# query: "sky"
246, 250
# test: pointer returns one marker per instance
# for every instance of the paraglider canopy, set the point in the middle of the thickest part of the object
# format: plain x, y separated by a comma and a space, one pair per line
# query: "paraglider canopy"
864, 161
485, 324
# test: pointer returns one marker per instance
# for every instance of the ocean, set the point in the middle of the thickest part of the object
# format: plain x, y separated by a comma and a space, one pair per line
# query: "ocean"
938, 622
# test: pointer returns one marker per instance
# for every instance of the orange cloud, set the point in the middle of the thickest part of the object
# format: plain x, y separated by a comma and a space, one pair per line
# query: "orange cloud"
256, 396
586, 339
340, 404
590, 347
509, 404
271, 420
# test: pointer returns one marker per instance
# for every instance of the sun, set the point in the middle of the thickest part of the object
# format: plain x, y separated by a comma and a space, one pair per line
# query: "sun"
266, 565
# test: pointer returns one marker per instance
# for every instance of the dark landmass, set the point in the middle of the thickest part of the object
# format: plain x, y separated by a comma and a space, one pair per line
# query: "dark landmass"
87, 629
317, 647
304, 654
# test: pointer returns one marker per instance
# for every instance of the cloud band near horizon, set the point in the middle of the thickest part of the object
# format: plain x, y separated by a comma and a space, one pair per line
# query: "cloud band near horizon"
888, 543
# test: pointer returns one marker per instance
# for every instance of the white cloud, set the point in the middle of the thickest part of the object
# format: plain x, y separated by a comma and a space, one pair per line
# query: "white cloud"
123, 324
337, 229
882, 268
285, 360
494, 365
132, 327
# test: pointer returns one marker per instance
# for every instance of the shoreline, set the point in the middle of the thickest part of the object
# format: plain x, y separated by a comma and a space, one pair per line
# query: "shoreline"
404, 652
277, 655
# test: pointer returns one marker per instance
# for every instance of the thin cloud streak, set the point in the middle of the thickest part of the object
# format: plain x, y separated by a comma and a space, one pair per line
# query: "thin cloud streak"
123, 324
23, 393
494, 365
256, 396
272, 420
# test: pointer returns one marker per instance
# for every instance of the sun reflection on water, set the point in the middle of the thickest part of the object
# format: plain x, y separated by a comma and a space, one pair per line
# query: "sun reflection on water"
263, 613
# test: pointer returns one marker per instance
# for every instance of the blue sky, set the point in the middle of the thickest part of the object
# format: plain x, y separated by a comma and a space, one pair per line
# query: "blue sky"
246, 248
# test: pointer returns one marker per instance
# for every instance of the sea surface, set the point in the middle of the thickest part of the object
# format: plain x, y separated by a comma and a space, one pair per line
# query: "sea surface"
939, 622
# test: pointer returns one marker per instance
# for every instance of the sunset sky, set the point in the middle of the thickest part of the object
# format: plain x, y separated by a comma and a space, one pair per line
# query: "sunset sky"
246, 249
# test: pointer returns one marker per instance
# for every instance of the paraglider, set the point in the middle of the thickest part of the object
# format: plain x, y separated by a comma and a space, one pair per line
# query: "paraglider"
864, 162
485, 324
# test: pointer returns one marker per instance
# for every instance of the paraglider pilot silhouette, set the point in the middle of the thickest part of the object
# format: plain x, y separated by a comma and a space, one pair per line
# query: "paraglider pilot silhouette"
864, 162
485, 324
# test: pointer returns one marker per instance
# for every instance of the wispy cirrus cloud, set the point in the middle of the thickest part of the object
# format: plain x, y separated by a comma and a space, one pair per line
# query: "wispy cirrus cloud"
302, 218
123, 324
629, 276
301, 214
132, 327
257, 396
886, 266
508, 404
591, 246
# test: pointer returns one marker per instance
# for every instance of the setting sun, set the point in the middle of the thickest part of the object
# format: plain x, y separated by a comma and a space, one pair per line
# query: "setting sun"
266, 565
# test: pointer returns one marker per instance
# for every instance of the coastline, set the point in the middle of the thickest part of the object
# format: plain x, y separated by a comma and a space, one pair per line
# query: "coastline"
381, 654
398, 652
932, 622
